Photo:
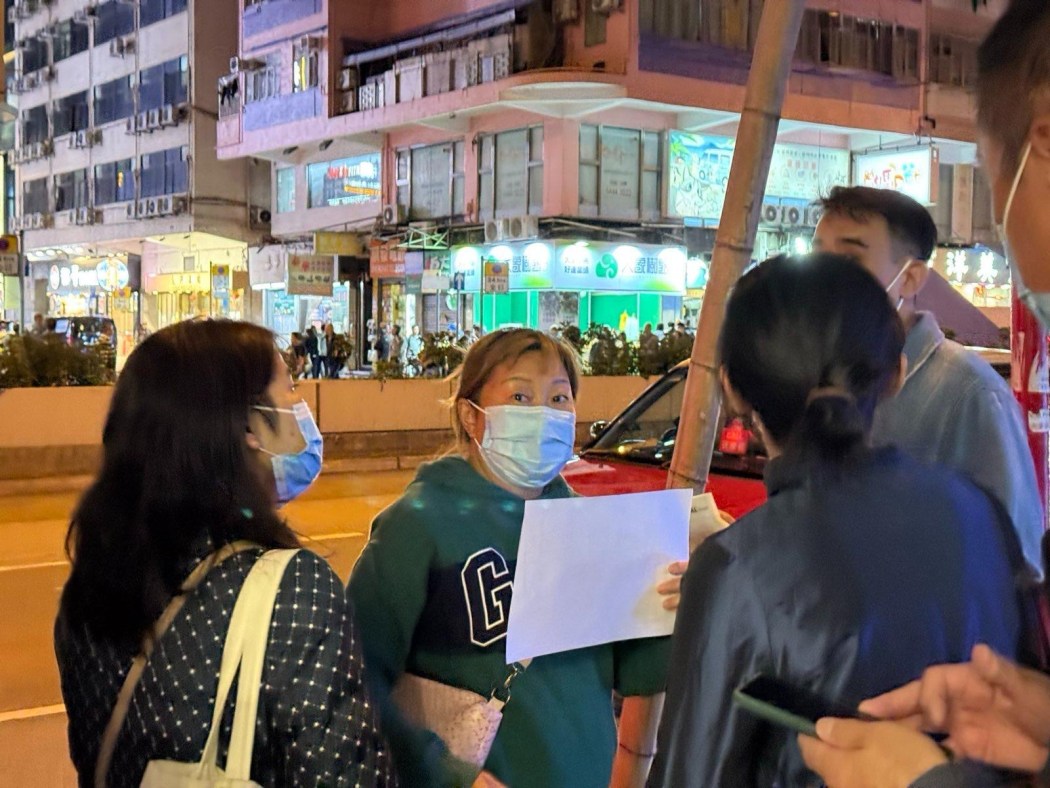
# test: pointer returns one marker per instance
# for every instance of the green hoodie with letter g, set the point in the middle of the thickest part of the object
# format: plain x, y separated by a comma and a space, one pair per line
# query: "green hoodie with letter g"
432, 595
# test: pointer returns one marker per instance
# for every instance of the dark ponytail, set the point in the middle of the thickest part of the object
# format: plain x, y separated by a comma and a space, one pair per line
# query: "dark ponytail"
832, 426
812, 344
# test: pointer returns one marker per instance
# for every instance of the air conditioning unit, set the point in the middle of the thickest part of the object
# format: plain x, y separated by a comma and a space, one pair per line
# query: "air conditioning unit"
309, 42
143, 208
131, 210
36, 221
518, 228
814, 213
394, 214
259, 217
772, 214
163, 206
179, 204
348, 102
122, 45
171, 115
47, 148
131, 125
239, 64
494, 229
48, 73
348, 79
153, 119
152, 207
85, 216
142, 121
30, 81
36, 151
83, 139
74, 140
793, 215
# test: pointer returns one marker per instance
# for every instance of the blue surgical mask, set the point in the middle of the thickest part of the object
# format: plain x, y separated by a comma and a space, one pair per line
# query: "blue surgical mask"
526, 446
294, 473
1038, 303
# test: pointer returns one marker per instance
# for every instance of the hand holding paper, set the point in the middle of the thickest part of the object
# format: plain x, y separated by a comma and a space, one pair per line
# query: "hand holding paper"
588, 568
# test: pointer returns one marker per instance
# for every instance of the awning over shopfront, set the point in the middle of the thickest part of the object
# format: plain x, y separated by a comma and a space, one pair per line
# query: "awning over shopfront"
957, 315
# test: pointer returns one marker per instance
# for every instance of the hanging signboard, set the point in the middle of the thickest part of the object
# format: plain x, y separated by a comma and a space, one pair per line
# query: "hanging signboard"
698, 172
386, 261
341, 244
911, 172
311, 275
267, 265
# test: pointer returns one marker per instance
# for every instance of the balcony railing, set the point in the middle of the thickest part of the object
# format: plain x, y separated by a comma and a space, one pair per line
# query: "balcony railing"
262, 16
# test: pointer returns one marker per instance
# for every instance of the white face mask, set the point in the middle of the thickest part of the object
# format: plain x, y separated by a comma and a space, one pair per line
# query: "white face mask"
1037, 303
526, 446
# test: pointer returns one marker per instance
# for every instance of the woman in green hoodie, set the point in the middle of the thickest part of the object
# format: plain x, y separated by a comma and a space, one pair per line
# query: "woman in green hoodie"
432, 589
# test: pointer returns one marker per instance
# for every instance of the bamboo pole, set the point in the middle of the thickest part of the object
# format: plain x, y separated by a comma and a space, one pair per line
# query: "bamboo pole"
766, 85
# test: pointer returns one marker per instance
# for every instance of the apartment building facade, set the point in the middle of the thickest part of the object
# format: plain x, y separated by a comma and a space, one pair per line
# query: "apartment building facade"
124, 207
564, 136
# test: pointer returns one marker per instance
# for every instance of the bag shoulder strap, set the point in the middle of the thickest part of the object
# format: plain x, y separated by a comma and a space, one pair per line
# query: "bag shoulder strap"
500, 696
243, 656
138, 665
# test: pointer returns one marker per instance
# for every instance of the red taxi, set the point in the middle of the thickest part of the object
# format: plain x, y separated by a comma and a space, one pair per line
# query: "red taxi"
632, 452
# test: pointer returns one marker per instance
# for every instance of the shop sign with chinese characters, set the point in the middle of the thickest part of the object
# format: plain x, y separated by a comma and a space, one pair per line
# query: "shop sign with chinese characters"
311, 275
971, 266
579, 266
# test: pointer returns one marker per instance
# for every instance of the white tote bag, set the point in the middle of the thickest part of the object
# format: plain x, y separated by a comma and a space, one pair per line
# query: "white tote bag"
245, 649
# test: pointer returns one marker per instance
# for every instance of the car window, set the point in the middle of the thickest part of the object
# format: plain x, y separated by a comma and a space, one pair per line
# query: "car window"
647, 430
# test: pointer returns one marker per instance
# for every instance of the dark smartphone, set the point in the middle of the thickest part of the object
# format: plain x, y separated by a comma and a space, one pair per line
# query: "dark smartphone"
793, 707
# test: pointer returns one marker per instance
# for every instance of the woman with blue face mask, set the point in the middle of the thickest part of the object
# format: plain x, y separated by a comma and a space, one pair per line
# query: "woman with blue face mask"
433, 588
204, 436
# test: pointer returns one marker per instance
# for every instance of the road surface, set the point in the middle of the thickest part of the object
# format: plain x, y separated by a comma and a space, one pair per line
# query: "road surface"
333, 516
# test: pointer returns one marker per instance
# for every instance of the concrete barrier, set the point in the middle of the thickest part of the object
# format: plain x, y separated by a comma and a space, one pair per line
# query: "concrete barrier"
58, 431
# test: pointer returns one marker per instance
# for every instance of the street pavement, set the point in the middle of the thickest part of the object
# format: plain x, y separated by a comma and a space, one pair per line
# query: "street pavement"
333, 518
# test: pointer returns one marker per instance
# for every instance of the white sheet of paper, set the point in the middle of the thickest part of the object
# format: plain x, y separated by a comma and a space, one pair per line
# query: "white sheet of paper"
587, 570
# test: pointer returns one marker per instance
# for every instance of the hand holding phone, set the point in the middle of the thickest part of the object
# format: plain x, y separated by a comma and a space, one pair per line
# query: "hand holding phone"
791, 706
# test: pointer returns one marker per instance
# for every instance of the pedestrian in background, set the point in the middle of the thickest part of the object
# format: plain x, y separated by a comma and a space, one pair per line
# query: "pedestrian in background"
333, 360
312, 346
396, 344
297, 355
442, 556
205, 436
863, 567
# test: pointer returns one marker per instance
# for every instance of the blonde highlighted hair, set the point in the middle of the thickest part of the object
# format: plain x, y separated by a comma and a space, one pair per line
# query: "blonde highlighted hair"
502, 347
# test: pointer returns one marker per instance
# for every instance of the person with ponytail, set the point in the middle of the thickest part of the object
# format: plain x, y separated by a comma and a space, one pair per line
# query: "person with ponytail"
863, 567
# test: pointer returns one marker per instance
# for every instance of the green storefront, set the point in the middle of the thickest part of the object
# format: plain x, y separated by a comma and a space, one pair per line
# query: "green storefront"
542, 283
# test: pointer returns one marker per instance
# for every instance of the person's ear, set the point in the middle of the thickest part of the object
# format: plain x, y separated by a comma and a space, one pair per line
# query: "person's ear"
470, 418
736, 404
252, 441
914, 279
1039, 136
